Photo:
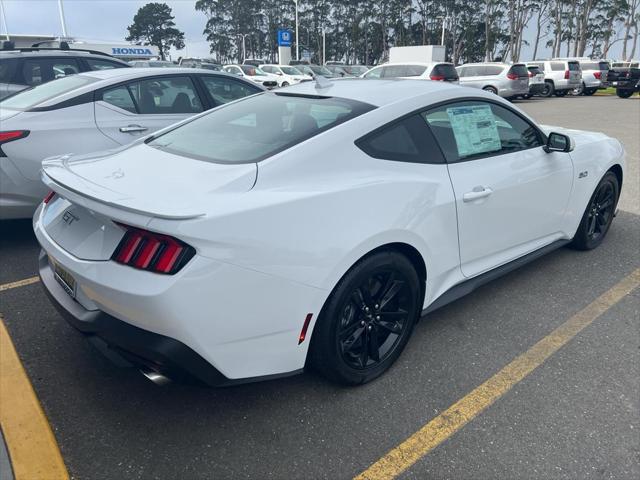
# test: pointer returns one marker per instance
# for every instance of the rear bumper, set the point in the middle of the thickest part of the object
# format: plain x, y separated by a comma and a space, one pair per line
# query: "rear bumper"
124, 343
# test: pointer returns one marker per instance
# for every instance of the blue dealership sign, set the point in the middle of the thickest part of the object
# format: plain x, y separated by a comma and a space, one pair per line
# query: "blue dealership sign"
285, 38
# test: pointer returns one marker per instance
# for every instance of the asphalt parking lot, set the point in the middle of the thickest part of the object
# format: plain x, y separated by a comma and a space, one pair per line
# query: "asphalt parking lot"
575, 414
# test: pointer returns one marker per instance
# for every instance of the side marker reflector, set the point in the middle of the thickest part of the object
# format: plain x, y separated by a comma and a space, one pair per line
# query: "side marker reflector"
305, 326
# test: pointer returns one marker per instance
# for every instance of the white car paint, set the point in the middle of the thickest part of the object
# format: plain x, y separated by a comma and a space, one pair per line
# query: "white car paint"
414, 70
284, 77
273, 238
61, 125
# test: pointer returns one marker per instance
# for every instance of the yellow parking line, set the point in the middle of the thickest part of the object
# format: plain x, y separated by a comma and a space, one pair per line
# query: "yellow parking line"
460, 413
30, 442
19, 283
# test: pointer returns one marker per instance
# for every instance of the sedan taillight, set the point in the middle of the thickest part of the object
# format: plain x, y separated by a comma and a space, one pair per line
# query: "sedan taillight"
152, 251
439, 78
10, 136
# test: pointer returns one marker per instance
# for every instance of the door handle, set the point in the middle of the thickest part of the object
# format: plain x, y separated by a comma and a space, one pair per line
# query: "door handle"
477, 193
133, 128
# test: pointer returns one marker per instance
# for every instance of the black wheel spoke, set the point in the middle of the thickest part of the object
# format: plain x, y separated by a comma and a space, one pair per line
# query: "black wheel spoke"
391, 292
391, 326
351, 340
374, 346
592, 225
364, 349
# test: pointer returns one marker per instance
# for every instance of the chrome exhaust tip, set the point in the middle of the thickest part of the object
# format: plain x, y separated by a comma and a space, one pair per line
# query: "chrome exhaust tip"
157, 378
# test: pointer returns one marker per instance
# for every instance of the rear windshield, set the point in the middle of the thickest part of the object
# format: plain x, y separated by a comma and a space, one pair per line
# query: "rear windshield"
257, 127
603, 65
534, 69
574, 66
519, 70
35, 96
445, 70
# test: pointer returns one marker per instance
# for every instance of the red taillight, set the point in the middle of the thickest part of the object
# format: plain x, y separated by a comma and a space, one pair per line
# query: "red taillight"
49, 196
10, 136
530, 75
439, 78
305, 327
567, 74
597, 75
512, 76
152, 251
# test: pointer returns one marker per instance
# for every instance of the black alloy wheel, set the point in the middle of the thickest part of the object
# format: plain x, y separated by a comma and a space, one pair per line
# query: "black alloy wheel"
548, 89
599, 214
367, 320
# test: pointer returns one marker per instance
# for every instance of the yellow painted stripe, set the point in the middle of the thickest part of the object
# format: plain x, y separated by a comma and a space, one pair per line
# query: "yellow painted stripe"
32, 447
460, 413
19, 283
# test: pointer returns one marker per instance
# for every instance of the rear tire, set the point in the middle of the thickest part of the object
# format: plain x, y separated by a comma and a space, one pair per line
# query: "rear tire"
367, 320
598, 215
590, 91
491, 90
548, 90
284, 84
561, 93
624, 93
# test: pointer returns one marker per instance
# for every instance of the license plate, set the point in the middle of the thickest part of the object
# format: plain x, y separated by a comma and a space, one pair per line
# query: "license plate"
64, 278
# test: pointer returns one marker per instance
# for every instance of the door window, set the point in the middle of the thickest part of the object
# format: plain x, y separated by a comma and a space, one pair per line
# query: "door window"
157, 96
375, 73
224, 90
8, 69
120, 97
63, 68
35, 73
476, 129
557, 66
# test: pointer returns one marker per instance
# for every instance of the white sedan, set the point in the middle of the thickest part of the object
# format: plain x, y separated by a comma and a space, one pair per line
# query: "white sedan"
312, 225
94, 111
289, 75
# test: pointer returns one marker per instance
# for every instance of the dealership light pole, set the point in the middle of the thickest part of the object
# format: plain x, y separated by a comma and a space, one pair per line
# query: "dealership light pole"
4, 20
297, 43
62, 22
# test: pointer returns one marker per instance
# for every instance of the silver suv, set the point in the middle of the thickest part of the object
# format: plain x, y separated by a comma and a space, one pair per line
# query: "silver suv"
560, 76
504, 79
27, 67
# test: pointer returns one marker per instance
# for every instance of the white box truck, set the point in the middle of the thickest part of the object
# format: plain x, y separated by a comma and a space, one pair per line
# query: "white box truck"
421, 53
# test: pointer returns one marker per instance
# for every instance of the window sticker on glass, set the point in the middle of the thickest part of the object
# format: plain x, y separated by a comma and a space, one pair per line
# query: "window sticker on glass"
474, 128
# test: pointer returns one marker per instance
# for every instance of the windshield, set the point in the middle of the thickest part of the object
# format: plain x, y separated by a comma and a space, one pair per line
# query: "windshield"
321, 71
291, 71
161, 64
355, 70
257, 127
33, 97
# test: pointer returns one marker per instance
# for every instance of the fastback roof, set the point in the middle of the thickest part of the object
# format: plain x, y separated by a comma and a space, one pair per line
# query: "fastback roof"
374, 92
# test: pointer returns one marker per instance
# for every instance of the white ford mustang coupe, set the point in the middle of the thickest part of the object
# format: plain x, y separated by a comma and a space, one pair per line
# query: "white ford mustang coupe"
312, 225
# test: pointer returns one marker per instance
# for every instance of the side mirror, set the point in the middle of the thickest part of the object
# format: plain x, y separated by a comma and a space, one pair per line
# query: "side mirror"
557, 142
279, 73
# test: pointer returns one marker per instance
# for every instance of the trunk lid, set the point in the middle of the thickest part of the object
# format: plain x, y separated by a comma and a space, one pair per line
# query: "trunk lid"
149, 181
132, 186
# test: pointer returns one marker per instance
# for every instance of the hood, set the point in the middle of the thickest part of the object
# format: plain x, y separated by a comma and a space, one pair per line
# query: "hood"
146, 180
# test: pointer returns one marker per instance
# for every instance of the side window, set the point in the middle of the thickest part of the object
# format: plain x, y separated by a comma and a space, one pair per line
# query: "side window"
470, 130
120, 97
557, 66
36, 72
406, 141
268, 69
462, 71
8, 69
394, 71
224, 90
62, 68
492, 70
374, 73
165, 96
95, 64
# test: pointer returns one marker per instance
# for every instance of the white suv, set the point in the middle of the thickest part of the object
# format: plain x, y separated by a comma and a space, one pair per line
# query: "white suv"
288, 75
560, 76
441, 71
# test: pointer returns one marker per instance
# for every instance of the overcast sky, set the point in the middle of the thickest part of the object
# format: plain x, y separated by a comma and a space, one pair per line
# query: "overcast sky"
107, 20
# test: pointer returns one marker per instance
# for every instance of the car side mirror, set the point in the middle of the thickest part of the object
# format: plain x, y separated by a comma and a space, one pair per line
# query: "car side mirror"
279, 73
557, 142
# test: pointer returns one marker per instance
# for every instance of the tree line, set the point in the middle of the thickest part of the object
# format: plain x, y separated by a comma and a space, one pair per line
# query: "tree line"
362, 31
